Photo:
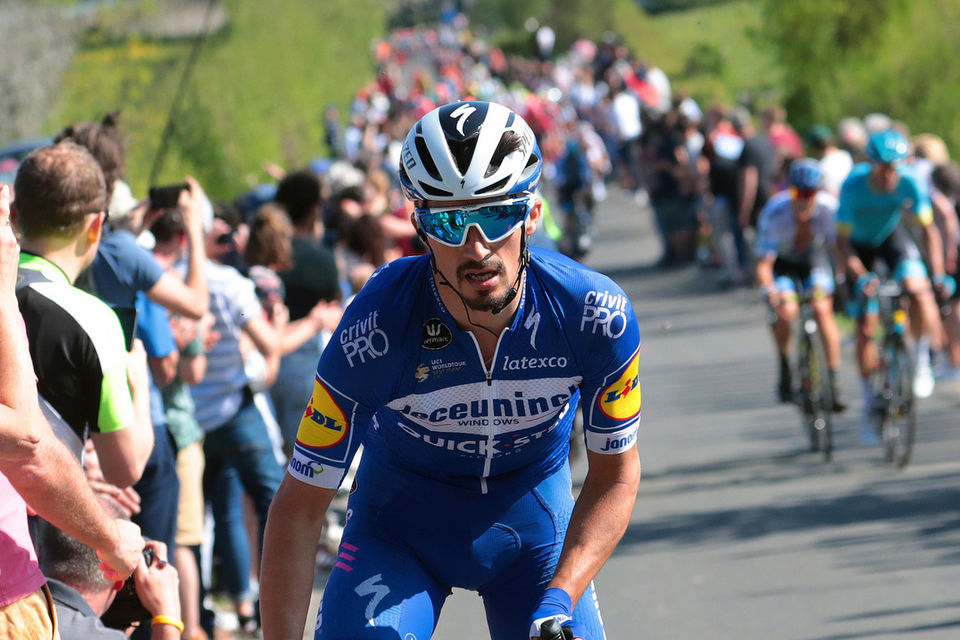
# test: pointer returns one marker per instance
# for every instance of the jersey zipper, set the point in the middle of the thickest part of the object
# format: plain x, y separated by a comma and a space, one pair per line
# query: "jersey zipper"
490, 392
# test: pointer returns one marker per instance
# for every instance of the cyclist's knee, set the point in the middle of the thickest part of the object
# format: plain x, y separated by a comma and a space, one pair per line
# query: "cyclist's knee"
787, 311
917, 287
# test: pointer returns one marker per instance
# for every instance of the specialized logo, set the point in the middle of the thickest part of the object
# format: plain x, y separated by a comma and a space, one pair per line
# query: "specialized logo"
423, 372
605, 313
364, 339
462, 112
533, 323
323, 424
378, 591
436, 335
621, 400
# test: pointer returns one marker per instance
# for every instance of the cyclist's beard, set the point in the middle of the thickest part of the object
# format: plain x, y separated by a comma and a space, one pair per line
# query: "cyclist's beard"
486, 301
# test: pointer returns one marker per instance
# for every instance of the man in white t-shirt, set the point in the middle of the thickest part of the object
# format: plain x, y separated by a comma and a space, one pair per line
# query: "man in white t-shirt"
835, 163
625, 109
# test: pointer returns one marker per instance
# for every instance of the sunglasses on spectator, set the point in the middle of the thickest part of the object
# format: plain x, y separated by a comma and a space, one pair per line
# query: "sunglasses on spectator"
806, 194
494, 220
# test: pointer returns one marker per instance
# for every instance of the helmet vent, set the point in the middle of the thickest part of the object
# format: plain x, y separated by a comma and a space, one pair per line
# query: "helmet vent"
426, 159
499, 184
433, 191
463, 152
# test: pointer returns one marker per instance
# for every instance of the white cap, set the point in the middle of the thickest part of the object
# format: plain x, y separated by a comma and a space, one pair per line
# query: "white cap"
122, 201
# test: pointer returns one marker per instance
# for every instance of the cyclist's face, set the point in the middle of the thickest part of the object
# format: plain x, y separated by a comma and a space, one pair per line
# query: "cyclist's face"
885, 176
803, 200
482, 271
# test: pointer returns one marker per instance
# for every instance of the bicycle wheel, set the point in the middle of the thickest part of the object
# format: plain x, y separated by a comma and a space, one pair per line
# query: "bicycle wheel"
898, 420
816, 394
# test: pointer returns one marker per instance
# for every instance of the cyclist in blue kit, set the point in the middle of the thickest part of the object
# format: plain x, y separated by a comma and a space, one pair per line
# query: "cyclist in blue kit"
460, 373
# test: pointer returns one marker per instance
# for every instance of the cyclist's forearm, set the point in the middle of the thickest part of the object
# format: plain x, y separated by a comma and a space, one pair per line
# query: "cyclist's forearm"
765, 273
599, 519
934, 248
289, 555
850, 259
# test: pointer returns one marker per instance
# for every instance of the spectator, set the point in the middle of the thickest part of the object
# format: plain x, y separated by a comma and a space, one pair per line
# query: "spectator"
784, 139
76, 341
757, 168
104, 142
122, 267
313, 278
625, 113
36, 467
268, 251
240, 455
192, 339
835, 163
81, 594
671, 192
852, 137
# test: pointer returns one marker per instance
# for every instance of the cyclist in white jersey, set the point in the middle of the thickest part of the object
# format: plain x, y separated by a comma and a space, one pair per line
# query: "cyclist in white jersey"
795, 243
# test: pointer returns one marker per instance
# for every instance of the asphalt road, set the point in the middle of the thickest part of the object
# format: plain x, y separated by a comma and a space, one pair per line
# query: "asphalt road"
738, 532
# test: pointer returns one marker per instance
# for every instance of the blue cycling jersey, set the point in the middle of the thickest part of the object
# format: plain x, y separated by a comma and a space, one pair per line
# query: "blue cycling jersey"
404, 380
868, 217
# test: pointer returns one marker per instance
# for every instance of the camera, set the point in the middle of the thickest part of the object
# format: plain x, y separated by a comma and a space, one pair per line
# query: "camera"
166, 197
126, 608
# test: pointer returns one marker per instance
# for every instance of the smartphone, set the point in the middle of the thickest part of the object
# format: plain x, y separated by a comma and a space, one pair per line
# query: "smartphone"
128, 322
166, 197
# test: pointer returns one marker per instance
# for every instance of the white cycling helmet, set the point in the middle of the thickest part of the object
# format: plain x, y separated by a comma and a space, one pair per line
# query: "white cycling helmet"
468, 150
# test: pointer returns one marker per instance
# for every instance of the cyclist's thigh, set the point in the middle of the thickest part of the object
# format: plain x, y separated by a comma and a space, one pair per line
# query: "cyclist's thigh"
786, 287
378, 590
820, 284
540, 519
902, 256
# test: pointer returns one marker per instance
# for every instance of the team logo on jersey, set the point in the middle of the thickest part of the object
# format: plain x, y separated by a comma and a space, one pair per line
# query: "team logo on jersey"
436, 335
323, 423
605, 313
423, 372
621, 400
364, 339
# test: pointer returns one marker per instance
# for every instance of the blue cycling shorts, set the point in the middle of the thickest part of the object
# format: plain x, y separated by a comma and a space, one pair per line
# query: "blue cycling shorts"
409, 540
819, 282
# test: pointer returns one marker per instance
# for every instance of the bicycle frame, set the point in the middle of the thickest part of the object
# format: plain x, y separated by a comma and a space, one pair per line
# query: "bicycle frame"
894, 405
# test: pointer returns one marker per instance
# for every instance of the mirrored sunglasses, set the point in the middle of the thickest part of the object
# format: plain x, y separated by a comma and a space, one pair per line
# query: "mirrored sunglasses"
495, 221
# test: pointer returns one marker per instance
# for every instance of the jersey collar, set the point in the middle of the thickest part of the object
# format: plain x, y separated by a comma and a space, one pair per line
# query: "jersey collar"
39, 263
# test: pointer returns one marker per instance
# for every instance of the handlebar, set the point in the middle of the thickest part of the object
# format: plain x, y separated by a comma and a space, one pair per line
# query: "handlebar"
551, 630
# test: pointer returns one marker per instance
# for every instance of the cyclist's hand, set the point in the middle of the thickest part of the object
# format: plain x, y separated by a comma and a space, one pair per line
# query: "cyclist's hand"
867, 284
553, 617
773, 298
551, 630
944, 286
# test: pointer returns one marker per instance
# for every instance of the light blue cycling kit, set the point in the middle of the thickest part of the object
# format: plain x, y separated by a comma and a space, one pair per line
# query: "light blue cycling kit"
464, 480
869, 217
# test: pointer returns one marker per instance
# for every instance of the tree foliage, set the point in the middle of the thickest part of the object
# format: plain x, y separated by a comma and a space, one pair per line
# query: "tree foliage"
853, 57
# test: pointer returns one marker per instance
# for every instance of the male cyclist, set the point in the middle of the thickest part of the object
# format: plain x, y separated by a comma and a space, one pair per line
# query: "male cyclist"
872, 200
795, 240
460, 373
